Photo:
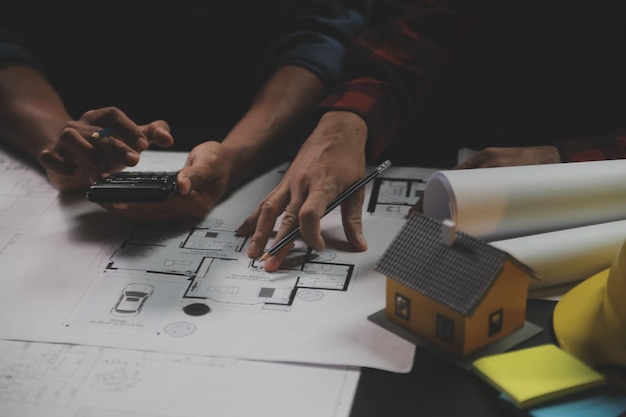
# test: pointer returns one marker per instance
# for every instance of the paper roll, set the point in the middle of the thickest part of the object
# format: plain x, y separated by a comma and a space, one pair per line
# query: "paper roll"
567, 255
508, 202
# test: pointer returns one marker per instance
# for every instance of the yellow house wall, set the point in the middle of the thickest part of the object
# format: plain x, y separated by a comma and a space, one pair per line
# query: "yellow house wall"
509, 293
423, 316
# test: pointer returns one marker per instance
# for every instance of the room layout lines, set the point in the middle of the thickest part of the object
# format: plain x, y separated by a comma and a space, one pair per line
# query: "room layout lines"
203, 267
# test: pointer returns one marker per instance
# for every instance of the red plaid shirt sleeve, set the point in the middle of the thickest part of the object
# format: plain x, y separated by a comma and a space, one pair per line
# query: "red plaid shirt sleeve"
393, 71
612, 146
392, 67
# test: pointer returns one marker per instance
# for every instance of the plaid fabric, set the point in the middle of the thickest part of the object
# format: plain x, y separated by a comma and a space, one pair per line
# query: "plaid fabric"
394, 57
547, 71
594, 149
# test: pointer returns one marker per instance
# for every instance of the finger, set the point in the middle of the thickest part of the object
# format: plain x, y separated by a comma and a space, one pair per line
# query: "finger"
112, 152
185, 183
268, 212
54, 163
274, 262
205, 190
352, 220
73, 147
204, 173
199, 173
192, 174
158, 132
289, 220
126, 129
248, 226
310, 218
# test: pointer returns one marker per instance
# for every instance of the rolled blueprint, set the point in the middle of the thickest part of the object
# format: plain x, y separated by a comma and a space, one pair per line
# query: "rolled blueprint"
507, 202
567, 255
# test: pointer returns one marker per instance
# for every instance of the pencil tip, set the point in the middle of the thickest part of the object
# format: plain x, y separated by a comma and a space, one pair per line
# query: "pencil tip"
264, 257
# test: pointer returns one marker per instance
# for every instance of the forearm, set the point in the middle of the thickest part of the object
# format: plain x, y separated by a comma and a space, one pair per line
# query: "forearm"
31, 112
279, 111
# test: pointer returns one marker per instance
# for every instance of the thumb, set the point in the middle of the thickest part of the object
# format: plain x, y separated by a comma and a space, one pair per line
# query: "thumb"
190, 175
185, 185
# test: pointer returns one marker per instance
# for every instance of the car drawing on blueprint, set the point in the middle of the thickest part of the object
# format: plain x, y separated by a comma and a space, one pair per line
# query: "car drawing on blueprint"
132, 299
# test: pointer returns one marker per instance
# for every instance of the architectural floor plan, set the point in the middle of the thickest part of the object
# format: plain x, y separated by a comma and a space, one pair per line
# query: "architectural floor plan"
55, 380
203, 267
190, 288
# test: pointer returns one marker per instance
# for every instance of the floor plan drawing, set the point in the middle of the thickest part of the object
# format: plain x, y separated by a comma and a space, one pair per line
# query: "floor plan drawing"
58, 380
206, 266
190, 288
394, 196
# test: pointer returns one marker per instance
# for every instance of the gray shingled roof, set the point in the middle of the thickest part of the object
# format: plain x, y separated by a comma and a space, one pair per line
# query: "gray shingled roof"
456, 276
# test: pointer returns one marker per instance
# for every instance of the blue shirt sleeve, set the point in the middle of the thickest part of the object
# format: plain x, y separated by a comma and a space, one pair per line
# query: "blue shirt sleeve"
13, 52
316, 35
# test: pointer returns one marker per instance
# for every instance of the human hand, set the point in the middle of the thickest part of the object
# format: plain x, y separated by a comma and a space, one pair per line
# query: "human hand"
501, 157
331, 159
202, 181
77, 157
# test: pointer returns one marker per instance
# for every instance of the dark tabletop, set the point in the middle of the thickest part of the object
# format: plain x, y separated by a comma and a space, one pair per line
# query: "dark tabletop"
436, 387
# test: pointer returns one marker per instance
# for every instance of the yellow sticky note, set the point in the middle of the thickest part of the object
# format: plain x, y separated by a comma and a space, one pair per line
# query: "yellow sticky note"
534, 375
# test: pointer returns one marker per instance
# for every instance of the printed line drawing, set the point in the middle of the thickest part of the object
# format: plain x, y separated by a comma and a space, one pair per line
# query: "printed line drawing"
207, 264
132, 299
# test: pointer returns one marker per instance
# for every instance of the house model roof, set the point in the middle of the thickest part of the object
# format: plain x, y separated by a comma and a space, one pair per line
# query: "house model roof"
457, 275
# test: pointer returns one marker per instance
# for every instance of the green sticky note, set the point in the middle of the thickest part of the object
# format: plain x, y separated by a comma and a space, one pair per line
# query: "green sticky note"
538, 374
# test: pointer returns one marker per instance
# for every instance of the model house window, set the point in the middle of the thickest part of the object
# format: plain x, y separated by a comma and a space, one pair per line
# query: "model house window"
445, 329
402, 307
495, 322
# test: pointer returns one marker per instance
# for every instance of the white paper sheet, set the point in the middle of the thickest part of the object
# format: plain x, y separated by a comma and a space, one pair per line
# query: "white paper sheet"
506, 202
56, 380
566, 221
567, 255
66, 265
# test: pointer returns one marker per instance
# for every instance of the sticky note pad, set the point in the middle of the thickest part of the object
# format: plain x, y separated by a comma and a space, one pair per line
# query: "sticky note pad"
534, 375
601, 405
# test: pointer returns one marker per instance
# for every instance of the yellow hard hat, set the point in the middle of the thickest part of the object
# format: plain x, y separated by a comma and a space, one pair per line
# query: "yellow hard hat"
590, 319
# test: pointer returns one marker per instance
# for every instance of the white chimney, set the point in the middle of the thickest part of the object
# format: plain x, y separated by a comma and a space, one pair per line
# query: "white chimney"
448, 232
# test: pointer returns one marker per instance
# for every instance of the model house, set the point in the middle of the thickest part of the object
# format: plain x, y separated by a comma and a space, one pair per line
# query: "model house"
451, 289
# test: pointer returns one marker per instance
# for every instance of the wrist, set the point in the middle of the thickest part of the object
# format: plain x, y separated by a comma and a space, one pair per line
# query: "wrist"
345, 128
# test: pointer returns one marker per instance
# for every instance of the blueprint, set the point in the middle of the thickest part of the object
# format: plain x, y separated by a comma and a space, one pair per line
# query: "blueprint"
53, 380
76, 274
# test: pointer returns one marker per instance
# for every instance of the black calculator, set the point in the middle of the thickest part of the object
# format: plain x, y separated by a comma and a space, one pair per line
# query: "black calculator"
133, 187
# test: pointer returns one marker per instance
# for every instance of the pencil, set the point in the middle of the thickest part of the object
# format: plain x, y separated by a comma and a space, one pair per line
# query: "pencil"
334, 204
108, 131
